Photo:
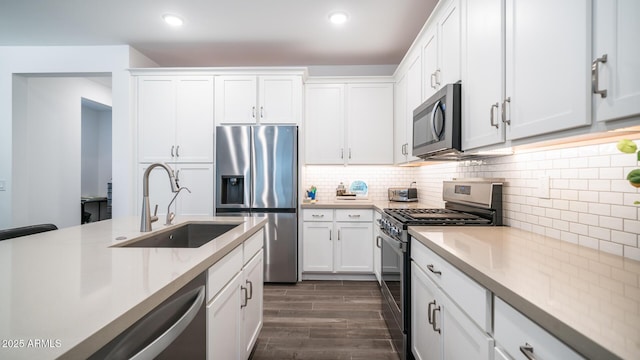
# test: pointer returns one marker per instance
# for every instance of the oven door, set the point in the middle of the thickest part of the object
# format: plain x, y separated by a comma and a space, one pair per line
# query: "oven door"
393, 290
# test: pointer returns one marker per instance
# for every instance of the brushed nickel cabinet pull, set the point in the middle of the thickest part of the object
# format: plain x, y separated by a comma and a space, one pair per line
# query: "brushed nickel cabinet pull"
504, 111
595, 76
432, 303
250, 289
178, 151
433, 318
245, 296
527, 350
253, 112
432, 269
172, 147
492, 112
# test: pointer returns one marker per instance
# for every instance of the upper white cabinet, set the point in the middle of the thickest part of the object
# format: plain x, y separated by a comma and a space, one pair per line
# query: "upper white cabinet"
349, 123
408, 96
441, 49
547, 67
616, 54
521, 79
249, 99
175, 119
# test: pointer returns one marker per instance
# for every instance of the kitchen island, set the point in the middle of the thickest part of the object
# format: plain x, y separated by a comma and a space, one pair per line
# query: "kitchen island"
588, 299
66, 293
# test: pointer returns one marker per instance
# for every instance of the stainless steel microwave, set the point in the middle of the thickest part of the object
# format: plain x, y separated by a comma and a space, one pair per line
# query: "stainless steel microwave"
436, 125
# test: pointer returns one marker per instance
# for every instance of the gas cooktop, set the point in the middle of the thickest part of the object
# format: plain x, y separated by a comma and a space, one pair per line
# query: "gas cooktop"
435, 217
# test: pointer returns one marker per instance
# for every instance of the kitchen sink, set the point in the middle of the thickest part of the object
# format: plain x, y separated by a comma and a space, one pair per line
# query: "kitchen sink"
184, 236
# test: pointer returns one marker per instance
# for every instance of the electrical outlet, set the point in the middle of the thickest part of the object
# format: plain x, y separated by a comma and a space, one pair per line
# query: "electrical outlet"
544, 187
3, 186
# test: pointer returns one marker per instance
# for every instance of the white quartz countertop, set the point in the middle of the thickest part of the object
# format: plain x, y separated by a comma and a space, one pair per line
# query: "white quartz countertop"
66, 293
588, 299
362, 204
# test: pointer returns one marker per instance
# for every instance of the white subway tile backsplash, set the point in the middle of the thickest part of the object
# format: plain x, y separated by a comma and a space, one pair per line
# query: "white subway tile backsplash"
590, 201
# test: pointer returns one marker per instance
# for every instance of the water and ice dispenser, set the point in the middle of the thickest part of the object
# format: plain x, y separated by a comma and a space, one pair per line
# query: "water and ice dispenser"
232, 190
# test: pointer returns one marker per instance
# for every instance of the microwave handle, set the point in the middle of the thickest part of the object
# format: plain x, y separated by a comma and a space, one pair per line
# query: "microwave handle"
434, 132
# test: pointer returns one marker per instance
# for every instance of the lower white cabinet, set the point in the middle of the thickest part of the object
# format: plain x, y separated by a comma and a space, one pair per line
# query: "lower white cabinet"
377, 249
340, 243
235, 301
252, 302
518, 337
224, 321
439, 328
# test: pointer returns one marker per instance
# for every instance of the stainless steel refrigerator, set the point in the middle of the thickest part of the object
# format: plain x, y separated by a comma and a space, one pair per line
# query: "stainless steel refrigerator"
257, 174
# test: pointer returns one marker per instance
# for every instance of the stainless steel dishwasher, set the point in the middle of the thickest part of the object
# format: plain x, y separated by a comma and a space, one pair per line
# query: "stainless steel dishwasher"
175, 329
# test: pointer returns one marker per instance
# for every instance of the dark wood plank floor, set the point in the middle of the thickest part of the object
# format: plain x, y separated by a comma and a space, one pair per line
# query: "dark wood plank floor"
323, 320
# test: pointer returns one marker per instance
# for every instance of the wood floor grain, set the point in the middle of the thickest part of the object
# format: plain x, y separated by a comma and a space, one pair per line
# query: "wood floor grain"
323, 320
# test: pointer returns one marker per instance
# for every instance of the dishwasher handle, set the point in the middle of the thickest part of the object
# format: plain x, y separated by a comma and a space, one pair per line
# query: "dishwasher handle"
163, 341
142, 342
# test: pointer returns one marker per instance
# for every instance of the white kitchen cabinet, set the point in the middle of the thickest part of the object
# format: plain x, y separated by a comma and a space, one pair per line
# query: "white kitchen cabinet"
349, 123
520, 79
224, 322
266, 99
547, 67
197, 177
324, 124
369, 123
408, 97
483, 74
377, 249
175, 118
354, 248
616, 29
234, 313
337, 241
440, 329
317, 246
441, 49
426, 344
514, 333
252, 304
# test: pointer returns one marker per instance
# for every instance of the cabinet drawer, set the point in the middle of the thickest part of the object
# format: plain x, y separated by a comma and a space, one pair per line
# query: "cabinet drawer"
223, 271
352, 215
470, 296
317, 215
252, 245
513, 330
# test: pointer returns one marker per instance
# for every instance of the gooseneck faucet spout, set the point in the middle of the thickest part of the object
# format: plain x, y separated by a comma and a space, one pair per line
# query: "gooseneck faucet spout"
147, 219
170, 214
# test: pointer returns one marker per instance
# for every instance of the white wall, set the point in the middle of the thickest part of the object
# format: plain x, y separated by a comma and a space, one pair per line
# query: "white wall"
107, 60
50, 163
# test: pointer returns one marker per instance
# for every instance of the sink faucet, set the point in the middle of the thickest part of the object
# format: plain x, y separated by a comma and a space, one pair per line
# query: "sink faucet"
147, 219
171, 215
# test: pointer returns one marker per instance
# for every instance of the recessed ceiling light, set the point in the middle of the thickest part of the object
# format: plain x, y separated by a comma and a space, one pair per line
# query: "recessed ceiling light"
172, 20
338, 17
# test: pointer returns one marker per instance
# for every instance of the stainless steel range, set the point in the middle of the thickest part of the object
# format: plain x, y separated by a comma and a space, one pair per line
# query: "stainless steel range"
475, 202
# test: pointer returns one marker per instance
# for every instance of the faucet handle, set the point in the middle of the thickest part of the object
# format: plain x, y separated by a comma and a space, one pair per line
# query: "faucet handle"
154, 218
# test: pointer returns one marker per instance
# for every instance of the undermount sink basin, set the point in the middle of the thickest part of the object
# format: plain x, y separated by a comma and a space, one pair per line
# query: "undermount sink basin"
184, 236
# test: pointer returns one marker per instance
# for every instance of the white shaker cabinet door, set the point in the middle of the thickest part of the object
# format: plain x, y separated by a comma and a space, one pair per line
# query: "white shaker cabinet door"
198, 178
548, 47
156, 118
317, 246
194, 119
430, 63
253, 278
369, 123
354, 249
616, 30
426, 344
324, 124
280, 99
483, 75
236, 98
224, 321
449, 45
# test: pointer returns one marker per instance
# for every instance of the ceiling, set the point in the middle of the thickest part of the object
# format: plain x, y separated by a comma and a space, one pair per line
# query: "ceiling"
224, 32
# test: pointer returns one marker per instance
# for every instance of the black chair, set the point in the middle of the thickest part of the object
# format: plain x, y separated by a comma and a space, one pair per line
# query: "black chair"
25, 230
